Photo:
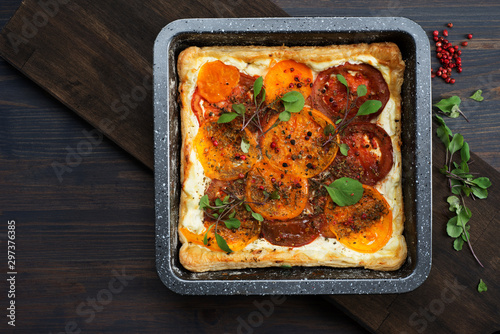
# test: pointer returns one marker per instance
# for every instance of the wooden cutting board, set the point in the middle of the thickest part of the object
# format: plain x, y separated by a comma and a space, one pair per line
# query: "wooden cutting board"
96, 58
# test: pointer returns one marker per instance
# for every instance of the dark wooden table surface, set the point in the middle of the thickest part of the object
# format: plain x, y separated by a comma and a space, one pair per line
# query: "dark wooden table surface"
84, 242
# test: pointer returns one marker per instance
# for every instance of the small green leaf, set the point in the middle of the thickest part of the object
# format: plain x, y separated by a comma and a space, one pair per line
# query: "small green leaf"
342, 80
249, 209
479, 193
456, 143
482, 286
477, 95
245, 145
452, 229
218, 202
286, 266
465, 153
369, 107
482, 182
463, 216
232, 214
239, 108
454, 202
274, 195
443, 135
344, 149
204, 203
454, 112
205, 238
225, 200
232, 222
361, 90
446, 105
257, 86
458, 243
329, 129
338, 121
293, 101
285, 116
292, 96
257, 216
227, 117
222, 243
345, 191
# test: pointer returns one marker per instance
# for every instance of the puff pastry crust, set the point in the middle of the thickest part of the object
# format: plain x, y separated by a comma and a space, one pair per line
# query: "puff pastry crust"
256, 60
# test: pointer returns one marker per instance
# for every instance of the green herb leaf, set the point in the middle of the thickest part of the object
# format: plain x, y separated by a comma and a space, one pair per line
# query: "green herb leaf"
482, 182
342, 80
329, 129
257, 216
456, 186
257, 86
345, 191
443, 135
456, 143
205, 238
232, 222
225, 200
286, 266
446, 105
338, 121
455, 112
222, 243
482, 286
452, 228
369, 107
245, 145
479, 193
361, 90
458, 243
239, 108
293, 101
227, 117
204, 203
218, 202
285, 116
463, 217
477, 95
344, 149
274, 195
465, 153
249, 209
454, 202
232, 214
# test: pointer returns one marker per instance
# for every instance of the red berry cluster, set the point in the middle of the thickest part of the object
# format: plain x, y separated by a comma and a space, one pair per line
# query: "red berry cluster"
448, 55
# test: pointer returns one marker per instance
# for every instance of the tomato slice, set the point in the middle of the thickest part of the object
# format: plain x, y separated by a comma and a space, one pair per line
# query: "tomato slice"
241, 93
236, 239
292, 233
329, 94
265, 184
365, 226
298, 146
218, 147
369, 158
285, 76
216, 80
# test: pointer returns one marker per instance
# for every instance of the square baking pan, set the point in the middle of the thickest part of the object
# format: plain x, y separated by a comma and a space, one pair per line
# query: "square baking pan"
415, 149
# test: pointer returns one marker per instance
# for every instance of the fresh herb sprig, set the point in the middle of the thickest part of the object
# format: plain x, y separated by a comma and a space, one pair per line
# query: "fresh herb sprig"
462, 183
225, 211
451, 107
345, 191
367, 108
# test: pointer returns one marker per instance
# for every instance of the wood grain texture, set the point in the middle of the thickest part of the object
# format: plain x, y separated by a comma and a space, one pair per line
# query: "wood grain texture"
96, 57
100, 217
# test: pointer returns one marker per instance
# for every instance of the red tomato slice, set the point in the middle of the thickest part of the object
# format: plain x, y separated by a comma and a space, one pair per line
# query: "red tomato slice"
292, 233
369, 158
329, 94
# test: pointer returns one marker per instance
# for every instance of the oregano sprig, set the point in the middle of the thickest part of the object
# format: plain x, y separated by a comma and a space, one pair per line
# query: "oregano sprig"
462, 184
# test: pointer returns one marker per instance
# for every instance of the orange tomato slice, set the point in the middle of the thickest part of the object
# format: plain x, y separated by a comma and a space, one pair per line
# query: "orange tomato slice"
292, 191
216, 80
298, 146
365, 226
236, 239
285, 76
218, 147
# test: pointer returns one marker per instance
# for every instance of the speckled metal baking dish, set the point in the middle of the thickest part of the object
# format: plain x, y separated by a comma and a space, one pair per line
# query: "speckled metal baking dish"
416, 153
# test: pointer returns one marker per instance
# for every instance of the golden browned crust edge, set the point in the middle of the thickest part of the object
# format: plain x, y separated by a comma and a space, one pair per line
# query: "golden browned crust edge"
198, 258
